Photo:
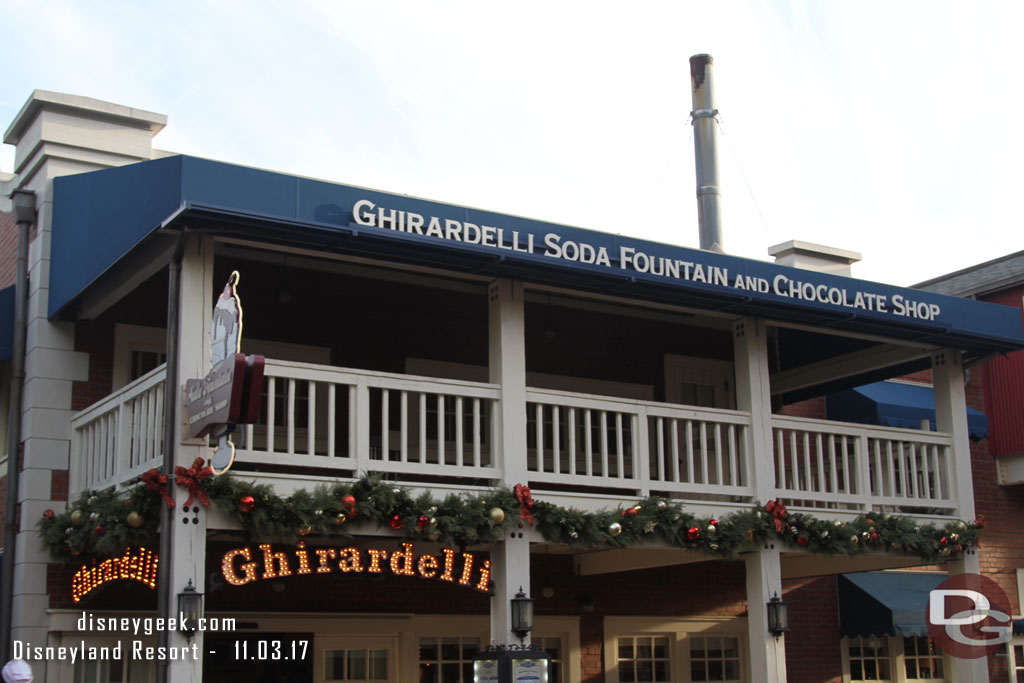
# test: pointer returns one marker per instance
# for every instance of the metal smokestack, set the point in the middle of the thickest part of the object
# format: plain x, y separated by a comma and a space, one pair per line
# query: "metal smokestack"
705, 139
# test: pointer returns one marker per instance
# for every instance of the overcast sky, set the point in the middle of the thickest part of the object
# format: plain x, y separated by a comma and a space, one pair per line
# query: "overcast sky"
888, 128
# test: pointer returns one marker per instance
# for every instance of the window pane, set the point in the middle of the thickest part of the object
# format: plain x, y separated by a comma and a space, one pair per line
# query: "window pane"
334, 665
356, 664
626, 674
911, 668
449, 649
1018, 654
883, 669
856, 673
428, 649
450, 672
643, 648
661, 670
625, 648
428, 673
730, 647
644, 671
470, 646
870, 671
661, 648
714, 670
698, 672
553, 646
138, 671
379, 665
937, 668
467, 672
732, 670
697, 648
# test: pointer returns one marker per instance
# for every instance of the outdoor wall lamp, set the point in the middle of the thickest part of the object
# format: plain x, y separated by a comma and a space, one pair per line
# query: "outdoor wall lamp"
778, 616
190, 605
522, 614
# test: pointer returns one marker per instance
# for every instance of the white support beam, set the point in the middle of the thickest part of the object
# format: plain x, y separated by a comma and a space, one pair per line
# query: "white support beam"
188, 561
849, 364
510, 559
951, 418
767, 653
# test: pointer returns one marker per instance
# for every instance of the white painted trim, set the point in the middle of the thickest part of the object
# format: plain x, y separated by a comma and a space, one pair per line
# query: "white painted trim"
676, 629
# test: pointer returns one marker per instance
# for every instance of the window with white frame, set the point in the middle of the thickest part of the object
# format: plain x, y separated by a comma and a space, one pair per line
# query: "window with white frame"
715, 658
893, 658
555, 648
126, 670
1017, 659
447, 659
643, 658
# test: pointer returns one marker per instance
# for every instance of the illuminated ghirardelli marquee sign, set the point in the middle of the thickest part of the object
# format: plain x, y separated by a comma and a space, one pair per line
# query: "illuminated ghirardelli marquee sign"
661, 262
245, 565
139, 565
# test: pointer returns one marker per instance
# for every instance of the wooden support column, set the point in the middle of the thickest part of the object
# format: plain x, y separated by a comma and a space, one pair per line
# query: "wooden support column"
764, 567
188, 559
951, 418
510, 560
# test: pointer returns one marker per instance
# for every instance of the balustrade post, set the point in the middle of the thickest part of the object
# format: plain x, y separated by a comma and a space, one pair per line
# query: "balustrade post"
361, 396
641, 450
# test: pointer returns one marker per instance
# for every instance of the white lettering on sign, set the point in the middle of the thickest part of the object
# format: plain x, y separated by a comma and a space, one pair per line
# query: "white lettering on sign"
557, 246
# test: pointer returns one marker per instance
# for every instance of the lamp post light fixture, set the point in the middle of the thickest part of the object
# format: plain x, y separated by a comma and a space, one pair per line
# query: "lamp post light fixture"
522, 614
190, 605
778, 616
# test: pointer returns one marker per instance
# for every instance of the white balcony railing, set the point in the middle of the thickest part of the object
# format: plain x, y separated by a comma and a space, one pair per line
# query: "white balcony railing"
342, 422
120, 437
833, 464
575, 439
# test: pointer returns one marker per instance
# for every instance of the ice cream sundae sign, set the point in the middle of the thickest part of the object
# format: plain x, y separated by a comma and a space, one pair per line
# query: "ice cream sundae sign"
230, 392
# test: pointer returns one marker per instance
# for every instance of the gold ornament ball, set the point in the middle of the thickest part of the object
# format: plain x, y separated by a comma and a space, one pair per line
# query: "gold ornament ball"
341, 518
433, 523
77, 517
497, 515
615, 528
92, 500
134, 519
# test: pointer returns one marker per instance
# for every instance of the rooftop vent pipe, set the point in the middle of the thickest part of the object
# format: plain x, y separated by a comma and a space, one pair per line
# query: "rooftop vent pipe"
705, 138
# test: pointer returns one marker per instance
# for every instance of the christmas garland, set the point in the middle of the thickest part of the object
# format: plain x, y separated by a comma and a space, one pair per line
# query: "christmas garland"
104, 523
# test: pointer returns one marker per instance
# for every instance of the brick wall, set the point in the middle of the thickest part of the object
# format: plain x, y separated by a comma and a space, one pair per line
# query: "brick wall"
8, 249
813, 652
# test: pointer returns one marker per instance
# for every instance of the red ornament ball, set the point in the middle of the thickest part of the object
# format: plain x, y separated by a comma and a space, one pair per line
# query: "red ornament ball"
422, 522
396, 522
246, 503
874, 535
802, 539
693, 533
100, 530
48, 514
632, 512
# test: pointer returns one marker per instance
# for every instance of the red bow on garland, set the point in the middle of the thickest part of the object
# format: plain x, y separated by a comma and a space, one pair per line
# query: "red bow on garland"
778, 512
191, 478
526, 502
157, 481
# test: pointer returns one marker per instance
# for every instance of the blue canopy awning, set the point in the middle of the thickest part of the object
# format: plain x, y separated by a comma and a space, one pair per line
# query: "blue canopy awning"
6, 322
893, 404
885, 603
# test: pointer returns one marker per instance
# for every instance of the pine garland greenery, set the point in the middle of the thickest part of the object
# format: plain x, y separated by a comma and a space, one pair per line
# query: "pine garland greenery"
100, 523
